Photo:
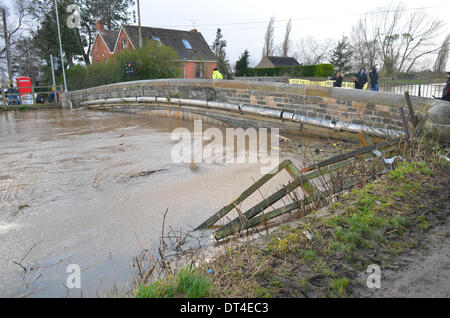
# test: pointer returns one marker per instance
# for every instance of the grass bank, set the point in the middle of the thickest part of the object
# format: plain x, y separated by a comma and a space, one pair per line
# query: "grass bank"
29, 107
324, 256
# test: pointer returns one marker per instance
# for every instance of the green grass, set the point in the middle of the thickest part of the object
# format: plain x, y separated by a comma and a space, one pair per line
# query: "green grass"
370, 211
408, 168
422, 223
189, 283
339, 286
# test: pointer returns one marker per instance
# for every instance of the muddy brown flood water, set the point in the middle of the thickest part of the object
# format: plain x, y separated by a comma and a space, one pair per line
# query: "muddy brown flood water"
66, 196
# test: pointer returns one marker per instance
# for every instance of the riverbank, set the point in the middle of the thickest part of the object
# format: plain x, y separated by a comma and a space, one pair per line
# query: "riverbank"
29, 107
395, 223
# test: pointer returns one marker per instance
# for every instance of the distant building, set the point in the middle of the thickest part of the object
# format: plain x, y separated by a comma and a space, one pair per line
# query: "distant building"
199, 60
277, 61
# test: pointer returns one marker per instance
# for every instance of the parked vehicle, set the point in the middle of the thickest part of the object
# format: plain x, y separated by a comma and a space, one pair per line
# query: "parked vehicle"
12, 97
40, 99
51, 97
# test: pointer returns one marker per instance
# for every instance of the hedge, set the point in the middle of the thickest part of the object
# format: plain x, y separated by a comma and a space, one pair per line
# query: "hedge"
319, 70
152, 61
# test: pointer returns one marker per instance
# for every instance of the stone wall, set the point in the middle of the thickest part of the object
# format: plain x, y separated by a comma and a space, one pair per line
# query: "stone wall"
374, 109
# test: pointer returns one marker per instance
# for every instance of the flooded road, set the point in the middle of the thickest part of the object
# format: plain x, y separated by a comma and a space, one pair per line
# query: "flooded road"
71, 193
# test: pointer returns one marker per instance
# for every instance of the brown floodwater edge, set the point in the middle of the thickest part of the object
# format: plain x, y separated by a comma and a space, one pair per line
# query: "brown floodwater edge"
76, 188
29, 107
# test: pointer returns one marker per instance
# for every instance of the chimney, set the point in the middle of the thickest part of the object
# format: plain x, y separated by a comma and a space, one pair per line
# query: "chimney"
194, 30
100, 26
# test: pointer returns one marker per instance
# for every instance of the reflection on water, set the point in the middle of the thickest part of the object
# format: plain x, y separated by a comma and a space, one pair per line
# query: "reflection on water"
66, 196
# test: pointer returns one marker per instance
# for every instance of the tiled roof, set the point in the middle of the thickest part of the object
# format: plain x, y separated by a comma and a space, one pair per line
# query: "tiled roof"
110, 38
279, 61
174, 38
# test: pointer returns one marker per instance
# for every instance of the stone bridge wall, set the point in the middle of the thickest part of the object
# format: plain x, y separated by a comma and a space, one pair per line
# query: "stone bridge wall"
374, 109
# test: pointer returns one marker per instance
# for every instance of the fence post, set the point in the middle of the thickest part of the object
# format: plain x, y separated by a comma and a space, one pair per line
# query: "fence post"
60, 92
420, 88
3, 97
33, 97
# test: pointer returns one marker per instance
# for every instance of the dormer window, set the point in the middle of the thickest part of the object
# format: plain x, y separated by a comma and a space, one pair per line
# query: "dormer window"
187, 44
124, 44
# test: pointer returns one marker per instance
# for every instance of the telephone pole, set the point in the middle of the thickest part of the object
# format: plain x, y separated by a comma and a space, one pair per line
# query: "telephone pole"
8, 58
60, 47
139, 23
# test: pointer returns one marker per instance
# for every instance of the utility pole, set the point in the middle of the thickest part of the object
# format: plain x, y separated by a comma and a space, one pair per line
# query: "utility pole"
53, 78
60, 46
8, 58
139, 23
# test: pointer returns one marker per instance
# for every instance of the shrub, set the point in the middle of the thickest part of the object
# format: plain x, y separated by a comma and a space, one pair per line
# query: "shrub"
152, 61
319, 70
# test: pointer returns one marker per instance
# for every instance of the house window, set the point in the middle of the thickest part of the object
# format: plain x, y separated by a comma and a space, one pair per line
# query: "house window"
124, 44
187, 44
199, 70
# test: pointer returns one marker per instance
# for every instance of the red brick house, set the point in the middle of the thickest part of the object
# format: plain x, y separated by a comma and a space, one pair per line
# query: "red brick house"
199, 60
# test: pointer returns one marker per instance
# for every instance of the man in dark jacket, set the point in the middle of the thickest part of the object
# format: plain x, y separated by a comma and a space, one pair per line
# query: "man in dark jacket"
361, 79
373, 79
446, 91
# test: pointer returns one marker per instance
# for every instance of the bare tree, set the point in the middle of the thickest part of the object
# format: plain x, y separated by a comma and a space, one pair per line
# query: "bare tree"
442, 57
364, 43
311, 51
269, 38
18, 16
286, 45
19, 22
397, 36
25, 59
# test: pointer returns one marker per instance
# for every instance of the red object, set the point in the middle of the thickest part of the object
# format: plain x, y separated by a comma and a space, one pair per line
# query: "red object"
24, 85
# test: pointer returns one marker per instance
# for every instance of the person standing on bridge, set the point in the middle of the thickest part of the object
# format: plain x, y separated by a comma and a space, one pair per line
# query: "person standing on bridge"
361, 79
217, 74
338, 79
446, 91
373, 79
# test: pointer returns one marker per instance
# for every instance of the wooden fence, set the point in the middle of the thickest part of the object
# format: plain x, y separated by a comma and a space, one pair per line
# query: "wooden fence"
304, 179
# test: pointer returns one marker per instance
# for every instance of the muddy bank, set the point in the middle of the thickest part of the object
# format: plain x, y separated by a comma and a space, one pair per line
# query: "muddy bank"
29, 107
424, 270
399, 224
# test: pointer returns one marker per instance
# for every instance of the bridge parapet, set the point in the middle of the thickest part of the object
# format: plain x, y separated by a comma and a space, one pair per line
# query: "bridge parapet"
366, 108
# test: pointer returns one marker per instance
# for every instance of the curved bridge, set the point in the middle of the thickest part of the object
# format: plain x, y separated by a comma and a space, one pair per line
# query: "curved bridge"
323, 111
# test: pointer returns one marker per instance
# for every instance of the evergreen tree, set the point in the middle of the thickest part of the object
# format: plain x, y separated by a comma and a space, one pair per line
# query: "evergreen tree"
218, 48
242, 64
45, 38
341, 56
112, 12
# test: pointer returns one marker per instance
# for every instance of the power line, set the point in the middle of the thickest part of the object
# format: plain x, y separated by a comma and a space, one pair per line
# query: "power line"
310, 18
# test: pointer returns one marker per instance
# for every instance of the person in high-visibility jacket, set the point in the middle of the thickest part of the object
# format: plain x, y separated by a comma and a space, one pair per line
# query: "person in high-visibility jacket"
217, 74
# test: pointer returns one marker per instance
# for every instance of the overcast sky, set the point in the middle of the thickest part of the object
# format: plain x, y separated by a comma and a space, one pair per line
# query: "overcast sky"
244, 22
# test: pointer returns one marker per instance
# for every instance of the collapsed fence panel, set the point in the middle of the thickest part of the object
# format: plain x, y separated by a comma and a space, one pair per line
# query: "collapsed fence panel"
264, 217
302, 179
